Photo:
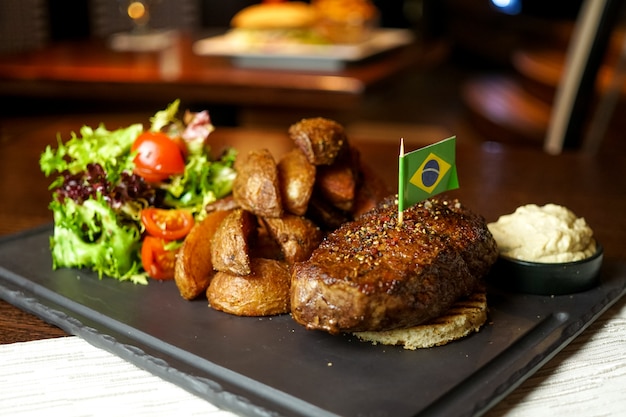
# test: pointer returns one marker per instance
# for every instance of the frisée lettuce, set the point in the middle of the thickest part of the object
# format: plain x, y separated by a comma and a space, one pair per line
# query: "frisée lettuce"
110, 149
97, 197
91, 235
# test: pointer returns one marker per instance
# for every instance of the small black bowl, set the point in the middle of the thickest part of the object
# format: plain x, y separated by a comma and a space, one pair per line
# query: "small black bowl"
547, 278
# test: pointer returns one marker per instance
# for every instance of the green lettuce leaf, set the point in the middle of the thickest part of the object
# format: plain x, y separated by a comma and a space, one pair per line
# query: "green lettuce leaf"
203, 182
91, 235
111, 149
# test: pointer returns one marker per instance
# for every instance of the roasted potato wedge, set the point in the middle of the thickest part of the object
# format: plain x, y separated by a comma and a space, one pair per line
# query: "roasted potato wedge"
297, 178
337, 183
264, 292
265, 246
231, 241
223, 204
370, 191
194, 269
296, 235
325, 215
277, 216
321, 140
256, 187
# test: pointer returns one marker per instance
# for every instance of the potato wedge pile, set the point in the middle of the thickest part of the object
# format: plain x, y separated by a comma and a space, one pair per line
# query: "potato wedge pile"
240, 255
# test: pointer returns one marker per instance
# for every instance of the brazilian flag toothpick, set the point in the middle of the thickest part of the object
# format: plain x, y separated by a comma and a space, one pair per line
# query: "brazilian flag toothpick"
426, 172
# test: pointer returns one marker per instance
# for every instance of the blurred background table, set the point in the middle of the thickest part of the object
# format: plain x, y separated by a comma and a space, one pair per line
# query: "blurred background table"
473, 56
88, 70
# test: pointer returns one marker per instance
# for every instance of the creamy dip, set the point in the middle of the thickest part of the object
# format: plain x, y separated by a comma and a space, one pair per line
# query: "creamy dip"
549, 233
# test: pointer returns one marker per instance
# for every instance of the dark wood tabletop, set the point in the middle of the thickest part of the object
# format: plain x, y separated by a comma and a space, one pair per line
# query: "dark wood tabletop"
494, 180
91, 68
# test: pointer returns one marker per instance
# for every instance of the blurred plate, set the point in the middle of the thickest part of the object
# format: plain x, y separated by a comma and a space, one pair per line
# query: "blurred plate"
302, 56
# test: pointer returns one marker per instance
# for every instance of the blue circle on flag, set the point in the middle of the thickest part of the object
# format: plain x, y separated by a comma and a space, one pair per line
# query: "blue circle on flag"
430, 173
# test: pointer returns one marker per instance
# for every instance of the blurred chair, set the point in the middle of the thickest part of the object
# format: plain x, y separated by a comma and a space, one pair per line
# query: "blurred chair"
609, 100
572, 105
23, 24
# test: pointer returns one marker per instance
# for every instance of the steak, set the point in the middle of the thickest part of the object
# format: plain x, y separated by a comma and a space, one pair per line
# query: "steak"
373, 274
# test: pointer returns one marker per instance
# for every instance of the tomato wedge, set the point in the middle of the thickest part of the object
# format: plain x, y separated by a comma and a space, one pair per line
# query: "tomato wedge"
168, 224
157, 261
149, 175
158, 156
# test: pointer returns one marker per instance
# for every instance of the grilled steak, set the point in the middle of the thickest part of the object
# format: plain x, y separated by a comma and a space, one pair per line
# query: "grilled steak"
373, 274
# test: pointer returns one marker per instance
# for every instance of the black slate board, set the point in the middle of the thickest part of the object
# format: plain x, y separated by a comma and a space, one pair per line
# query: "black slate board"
272, 366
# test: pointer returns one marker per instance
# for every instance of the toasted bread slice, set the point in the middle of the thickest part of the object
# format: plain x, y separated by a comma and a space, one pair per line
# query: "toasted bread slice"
464, 317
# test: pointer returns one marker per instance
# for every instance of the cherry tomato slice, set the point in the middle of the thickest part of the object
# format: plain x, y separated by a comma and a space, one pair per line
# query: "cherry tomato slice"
158, 262
168, 224
182, 145
158, 156
149, 175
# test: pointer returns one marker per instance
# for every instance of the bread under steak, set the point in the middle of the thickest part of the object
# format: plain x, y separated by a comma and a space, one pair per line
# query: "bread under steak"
374, 275
466, 316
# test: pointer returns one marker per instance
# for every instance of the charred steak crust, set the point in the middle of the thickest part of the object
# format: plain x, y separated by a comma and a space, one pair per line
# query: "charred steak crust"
373, 275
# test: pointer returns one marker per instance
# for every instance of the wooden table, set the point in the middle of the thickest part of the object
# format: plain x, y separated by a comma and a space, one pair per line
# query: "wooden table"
89, 69
495, 179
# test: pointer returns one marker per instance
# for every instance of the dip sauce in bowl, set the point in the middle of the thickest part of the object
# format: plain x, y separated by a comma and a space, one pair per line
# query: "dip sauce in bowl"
545, 250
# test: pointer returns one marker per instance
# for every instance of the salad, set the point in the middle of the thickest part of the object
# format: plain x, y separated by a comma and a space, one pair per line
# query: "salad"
124, 200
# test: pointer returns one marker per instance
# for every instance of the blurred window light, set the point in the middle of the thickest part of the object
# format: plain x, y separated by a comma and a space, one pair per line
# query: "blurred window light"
508, 6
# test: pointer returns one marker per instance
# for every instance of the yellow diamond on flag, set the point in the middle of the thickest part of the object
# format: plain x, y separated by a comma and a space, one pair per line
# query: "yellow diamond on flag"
432, 170
430, 173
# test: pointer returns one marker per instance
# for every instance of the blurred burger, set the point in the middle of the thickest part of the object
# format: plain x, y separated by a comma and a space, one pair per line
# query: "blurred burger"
321, 22
346, 21
288, 21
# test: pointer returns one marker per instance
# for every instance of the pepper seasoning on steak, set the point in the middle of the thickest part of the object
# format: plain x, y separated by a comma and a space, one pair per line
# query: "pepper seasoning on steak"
373, 274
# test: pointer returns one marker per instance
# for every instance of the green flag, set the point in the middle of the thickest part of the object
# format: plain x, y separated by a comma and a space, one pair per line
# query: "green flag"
427, 171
